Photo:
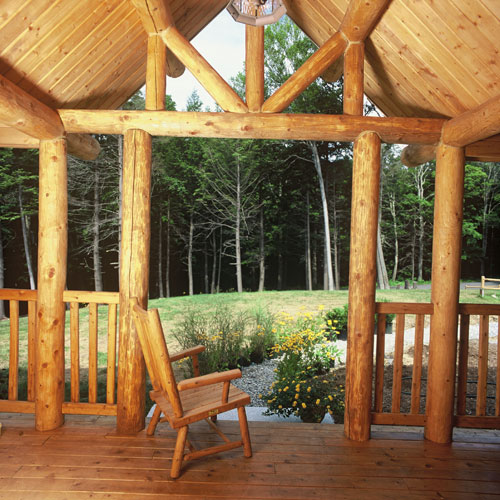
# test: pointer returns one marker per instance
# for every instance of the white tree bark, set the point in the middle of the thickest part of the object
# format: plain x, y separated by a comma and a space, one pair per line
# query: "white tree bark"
24, 227
96, 238
308, 246
190, 254
326, 221
262, 255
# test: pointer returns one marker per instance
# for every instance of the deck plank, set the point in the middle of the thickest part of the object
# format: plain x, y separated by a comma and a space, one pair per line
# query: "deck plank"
87, 459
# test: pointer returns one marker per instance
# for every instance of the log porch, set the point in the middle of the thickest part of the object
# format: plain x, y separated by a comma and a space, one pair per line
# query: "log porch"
87, 459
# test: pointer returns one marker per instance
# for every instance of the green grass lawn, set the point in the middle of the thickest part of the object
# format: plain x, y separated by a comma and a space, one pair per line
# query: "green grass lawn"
172, 309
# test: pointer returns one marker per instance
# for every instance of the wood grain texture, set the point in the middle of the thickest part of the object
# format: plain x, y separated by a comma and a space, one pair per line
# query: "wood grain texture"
361, 17
52, 255
156, 74
254, 125
254, 67
362, 277
134, 275
354, 63
446, 252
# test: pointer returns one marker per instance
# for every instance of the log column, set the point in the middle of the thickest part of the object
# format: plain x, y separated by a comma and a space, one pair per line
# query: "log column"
52, 255
362, 281
446, 252
254, 67
134, 277
354, 60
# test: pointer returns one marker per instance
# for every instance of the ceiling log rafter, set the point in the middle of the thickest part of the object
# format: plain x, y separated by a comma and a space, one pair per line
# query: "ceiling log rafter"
30, 117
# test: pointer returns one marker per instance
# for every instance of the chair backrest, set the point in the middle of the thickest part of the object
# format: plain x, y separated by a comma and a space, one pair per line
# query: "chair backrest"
154, 348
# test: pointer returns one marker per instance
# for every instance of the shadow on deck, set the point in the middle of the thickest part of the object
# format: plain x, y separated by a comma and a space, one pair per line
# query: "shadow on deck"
87, 459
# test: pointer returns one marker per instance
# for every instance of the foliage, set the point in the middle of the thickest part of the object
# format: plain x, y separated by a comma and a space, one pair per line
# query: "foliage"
262, 335
303, 383
221, 331
336, 319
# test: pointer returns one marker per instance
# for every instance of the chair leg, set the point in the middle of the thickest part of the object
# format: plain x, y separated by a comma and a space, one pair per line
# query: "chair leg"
245, 435
154, 421
180, 444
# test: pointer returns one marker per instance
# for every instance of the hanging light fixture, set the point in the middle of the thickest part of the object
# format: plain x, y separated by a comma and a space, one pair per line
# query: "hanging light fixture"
256, 12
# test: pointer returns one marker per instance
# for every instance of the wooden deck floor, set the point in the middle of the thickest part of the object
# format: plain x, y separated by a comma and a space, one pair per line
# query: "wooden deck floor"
86, 459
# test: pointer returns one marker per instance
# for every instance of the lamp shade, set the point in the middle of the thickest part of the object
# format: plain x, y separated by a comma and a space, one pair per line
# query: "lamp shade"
256, 12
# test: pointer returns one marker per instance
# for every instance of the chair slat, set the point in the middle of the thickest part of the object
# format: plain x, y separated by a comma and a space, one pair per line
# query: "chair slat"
482, 370
14, 351
74, 327
93, 353
463, 357
416, 379
111, 368
398, 364
31, 349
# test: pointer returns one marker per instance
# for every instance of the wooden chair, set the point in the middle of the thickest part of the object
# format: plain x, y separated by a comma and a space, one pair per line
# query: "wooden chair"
191, 400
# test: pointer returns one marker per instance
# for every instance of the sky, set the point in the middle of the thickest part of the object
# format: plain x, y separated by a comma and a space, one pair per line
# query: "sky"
222, 44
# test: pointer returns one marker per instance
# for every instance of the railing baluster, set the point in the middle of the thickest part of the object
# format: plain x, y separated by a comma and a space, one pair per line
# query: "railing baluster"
482, 370
416, 380
463, 358
111, 369
497, 392
397, 373
14, 350
93, 353
31, 349
75, 351
379, 367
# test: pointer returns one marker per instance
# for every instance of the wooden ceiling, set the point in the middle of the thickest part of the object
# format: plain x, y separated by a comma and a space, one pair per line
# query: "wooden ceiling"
426, 58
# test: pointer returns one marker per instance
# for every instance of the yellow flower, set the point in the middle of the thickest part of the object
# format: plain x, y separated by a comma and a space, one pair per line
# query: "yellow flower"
297, 395
280, 407
330, 398
285, 389
317, 401
304, 405
294, 403
309, 389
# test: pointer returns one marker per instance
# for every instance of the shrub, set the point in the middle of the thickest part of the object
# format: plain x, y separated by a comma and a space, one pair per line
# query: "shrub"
303, 383
261, 335
221, 331
336, 319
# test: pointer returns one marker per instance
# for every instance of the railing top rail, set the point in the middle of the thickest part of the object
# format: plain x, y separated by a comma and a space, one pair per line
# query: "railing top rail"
68, 296
490, 309
404, 308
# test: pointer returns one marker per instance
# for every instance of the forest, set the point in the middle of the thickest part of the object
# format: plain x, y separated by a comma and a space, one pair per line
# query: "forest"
246, 214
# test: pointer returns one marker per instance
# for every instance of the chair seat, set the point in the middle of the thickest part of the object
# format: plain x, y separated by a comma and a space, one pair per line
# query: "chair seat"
200, 403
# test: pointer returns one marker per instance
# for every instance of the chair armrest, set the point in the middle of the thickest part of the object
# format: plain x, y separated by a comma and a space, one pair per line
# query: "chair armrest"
210, 379
187, 352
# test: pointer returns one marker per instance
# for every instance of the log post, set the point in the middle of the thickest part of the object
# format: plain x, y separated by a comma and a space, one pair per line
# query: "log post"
52, 255
362, 281
254, 67
446, 253
156, 74
354, 61
134, 277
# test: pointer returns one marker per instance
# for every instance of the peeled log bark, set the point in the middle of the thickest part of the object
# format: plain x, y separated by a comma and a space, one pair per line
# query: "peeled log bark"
254, 66
52, 256
134, 277
446, 253
361, 17
354, 63
362, 282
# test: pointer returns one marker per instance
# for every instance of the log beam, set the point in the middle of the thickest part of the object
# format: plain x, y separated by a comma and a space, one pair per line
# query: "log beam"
361, 17
319, 62
254, 125
52, 256
485, 150
446, 253
473, 125
362, 281
254, 67
213, 83
156, 16
134, 277
354, 62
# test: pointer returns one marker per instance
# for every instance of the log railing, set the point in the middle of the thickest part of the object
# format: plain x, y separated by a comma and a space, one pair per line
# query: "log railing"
25, 338
477, 399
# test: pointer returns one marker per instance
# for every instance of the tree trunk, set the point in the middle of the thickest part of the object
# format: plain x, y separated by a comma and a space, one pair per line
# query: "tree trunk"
160, 257
2, 275
308, 246
24, 227
220, 262
96, 238
190, 254
326, 222
420, 177
262, 255
167, 257
120, 191
237, 235
382, 277
392, 206
206, 266
335, 238
214, 262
